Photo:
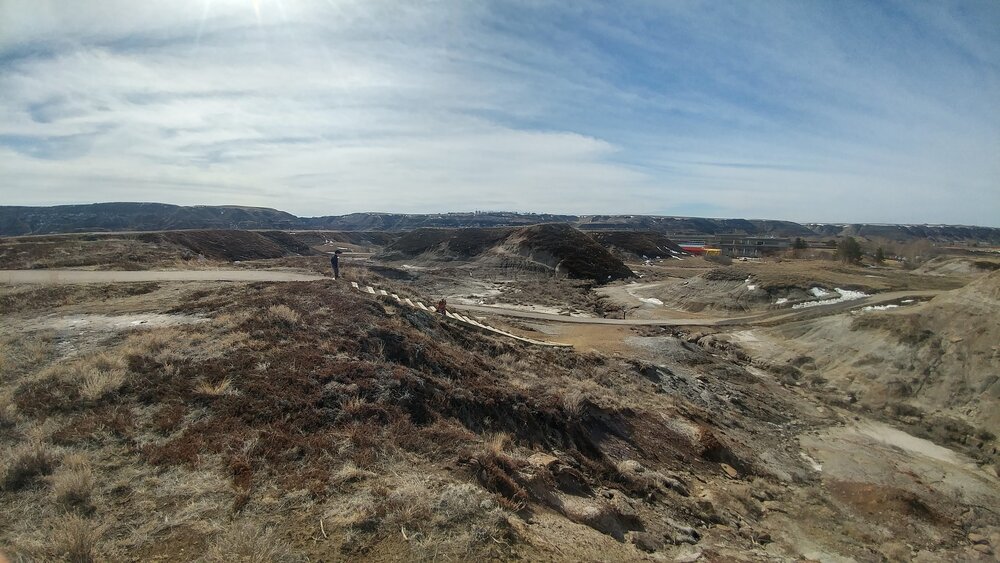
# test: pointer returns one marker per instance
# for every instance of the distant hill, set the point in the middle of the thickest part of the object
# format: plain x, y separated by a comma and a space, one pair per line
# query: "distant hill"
115, 217
110, 217
547, 247
902, 233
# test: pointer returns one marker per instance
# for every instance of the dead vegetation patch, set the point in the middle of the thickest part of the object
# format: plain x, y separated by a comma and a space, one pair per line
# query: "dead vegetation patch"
307, 394
27, 299
25, 464
73, 483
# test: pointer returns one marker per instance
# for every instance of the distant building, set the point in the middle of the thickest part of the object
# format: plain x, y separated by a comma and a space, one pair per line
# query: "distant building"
734, 246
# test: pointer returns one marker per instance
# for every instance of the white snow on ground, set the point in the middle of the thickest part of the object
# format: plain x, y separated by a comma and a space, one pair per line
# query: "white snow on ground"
908, 300
820, 292
751, 287
879, 307
845, 295
781, 301
651, 301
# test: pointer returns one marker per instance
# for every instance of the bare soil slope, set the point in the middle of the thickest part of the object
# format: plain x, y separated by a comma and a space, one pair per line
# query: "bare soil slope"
543, 248
932, 366
638, 244
138, 251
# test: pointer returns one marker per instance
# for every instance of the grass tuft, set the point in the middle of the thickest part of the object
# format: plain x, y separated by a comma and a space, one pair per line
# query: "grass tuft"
75, 539
8, 411
25, 464
98, 383
283, 314
214, 389
73, 482
248, 543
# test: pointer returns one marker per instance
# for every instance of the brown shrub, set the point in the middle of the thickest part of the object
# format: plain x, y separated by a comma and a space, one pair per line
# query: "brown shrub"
118, 420
169, 417
496, 471
25, 464
183, 450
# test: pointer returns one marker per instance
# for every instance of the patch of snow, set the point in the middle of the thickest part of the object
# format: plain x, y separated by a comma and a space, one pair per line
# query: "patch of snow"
844, 295
879, 307
908, 300
819, 292
751, 287
651, 301
781, 301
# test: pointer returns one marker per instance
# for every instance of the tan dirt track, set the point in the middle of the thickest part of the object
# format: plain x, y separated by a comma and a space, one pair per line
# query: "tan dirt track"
783, 315
88, 276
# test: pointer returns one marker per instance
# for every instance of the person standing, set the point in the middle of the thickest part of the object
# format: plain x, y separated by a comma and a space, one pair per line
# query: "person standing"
335, 262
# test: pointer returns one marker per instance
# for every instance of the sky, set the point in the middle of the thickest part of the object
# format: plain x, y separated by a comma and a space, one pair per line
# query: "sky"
841, 111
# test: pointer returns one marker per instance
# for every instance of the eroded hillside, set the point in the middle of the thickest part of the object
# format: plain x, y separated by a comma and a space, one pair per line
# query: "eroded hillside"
540, 248
930, 366
306, 421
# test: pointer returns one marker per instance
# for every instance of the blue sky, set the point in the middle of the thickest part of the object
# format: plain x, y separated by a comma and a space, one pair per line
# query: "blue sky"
808, 111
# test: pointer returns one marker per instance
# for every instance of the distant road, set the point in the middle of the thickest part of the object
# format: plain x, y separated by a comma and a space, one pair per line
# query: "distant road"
87, 276
769, 317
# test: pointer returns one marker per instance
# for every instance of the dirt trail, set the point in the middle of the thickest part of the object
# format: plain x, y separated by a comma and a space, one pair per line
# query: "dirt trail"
783, 315
86, 276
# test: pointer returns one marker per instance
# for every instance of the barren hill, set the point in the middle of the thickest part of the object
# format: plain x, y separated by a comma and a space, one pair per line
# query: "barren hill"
550, 247
132, 251
103, 217
638, 244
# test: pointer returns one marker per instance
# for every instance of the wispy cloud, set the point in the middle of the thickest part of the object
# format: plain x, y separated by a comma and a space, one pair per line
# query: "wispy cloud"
840, 111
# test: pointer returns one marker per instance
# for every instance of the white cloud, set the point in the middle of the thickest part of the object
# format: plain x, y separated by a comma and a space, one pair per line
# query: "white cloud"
330, 106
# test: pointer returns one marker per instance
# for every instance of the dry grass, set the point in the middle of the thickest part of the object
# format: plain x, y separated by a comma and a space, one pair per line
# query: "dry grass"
73, 482
349, 473
573, 402
150, 342
25, 463
496, 443
249, 543
283, 314
8, 411
20, 354
98, 384
458, 502
353, 406
74, 539
354, 273
408, 506
214, 389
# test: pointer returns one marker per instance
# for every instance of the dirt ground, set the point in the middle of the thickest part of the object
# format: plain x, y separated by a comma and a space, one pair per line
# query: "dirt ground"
264, 420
